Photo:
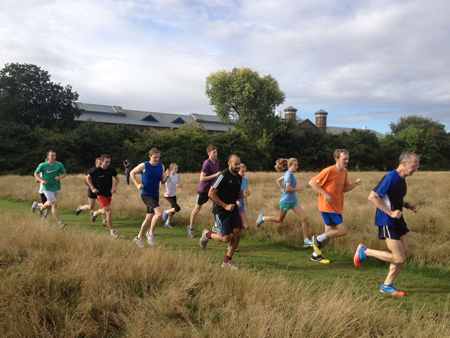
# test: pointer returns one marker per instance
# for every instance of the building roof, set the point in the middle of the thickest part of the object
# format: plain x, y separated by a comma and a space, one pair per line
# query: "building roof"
338, 130
118, 115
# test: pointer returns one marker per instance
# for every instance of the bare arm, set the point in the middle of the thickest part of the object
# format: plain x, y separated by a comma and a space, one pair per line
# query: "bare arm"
116, 183
317, 188
204, 178
376, 201
91, 185
85, 181
352, 185
137, 170
60, 177
165, 175
289, 189
279, 180
39, 179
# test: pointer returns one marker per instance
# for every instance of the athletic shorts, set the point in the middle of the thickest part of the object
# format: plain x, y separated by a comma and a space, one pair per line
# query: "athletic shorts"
398, 230
228, 222
173, 203
43, 198
151, 202
91, 194
105, 202
332, 219
51, 196
242, 212
202, 198
288, 206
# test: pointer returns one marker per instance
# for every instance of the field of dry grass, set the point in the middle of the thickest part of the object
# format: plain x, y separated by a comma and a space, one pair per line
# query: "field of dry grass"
429, 237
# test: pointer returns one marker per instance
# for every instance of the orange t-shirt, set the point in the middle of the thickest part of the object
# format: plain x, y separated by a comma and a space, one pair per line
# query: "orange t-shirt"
333, 182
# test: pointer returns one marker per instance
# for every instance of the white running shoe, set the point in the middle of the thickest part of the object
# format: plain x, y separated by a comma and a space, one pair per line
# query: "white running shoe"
190, 232
138, 242
204, 240
229, 265
307, 243
104, 223
150, 239
34, 206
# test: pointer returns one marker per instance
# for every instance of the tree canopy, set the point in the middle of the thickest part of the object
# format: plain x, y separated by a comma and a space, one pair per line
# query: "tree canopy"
245, 96
27, 96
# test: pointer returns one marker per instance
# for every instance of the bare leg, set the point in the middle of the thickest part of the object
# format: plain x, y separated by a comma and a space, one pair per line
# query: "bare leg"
55, 211
400, 252
158, 215
300, 213
234, 242
276, 219
145, 224
194, 213
245, 221
333, 232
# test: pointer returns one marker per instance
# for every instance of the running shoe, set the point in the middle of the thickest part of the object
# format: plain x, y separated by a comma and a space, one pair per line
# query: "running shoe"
165, 215
360, 255
45, 218
260, 220
215, 229
190, 232
150, 239
114, 235
307, 243
34, 206
104, 223
138, 242
77, 212
39, 212
390, 289
204, 240
229, 265
317, 245
168, 225
319, 259
93, 218
62, 225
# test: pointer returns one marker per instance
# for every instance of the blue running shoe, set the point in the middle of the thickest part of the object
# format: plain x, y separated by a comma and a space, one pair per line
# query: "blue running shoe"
168, 225
360, 255
260, 220
165, 215
390, 289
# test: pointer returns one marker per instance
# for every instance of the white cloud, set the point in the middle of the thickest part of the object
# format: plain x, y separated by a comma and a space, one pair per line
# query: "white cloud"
363, 62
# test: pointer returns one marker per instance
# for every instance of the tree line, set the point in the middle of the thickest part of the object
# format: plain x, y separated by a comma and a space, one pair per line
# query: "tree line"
37, 115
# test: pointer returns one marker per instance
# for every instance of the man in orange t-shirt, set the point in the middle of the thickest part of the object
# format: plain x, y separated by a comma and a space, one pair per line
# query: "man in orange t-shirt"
331, 184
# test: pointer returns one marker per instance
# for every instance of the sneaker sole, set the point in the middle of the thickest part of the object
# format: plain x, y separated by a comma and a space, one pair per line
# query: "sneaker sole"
356, 257
395, 293
316, 248
323, 261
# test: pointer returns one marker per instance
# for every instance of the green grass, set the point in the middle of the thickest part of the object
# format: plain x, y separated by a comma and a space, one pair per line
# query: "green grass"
427, 287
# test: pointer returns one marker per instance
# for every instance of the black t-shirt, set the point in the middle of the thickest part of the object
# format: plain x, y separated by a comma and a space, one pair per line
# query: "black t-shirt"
229, 186
102, 180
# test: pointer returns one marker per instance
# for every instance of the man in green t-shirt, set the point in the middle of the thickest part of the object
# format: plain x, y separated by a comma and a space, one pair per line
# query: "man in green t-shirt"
52, 172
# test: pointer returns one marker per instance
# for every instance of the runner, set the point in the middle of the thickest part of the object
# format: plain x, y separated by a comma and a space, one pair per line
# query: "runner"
170, 193
52, 172
331, 184
43, 200
91, 196
152, 173
224, 192
387, 196
210, 170
289, 198
102, 176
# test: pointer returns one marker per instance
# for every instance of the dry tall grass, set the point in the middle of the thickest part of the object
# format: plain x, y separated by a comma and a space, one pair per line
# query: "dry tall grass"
429, 237
75, 284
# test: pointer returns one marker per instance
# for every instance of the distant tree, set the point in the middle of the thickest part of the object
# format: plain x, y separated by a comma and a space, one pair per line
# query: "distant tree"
28, 96
244, 95
425, 137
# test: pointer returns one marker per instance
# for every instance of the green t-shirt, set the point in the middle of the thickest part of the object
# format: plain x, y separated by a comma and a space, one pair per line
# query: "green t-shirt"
49, 172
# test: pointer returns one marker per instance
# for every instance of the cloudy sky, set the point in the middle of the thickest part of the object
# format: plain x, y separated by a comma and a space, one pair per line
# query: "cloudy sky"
366, 63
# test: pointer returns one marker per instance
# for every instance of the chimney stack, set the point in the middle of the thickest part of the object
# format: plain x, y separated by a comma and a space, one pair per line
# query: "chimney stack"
290, 112
321, 120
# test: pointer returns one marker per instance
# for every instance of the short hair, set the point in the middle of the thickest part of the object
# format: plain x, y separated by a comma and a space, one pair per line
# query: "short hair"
338, 152
98, 159
243, 166
231, 156
406, 156
105, 156
172, 165
210, 148
51, 151
153, 151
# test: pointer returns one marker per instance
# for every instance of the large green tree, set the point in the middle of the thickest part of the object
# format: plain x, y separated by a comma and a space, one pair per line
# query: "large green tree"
28, 96
244, 95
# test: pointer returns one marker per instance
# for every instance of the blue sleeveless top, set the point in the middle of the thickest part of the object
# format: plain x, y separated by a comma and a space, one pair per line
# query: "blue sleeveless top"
151, 178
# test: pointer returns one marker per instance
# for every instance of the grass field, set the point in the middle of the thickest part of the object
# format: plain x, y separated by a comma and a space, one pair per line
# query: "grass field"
77, 282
